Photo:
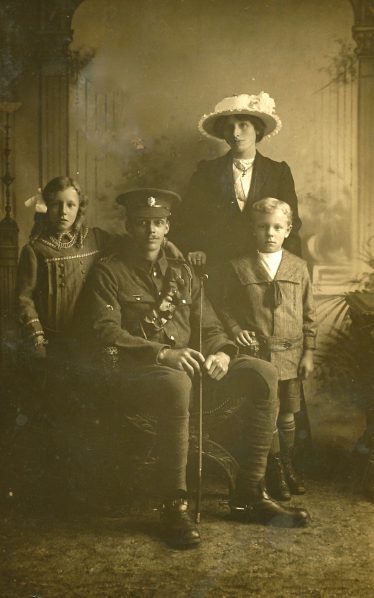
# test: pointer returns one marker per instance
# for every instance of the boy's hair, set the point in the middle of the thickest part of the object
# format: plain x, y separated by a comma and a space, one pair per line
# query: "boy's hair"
268, 205
41, 222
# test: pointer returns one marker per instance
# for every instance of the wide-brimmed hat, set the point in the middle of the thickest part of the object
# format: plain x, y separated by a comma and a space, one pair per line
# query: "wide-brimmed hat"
262, 106
148, 202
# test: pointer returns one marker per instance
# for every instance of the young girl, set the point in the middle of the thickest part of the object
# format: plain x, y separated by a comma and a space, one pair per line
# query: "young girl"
268, 300
54, 265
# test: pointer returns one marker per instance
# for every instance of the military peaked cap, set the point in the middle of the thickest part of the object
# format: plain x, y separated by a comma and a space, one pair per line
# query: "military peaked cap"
148, 202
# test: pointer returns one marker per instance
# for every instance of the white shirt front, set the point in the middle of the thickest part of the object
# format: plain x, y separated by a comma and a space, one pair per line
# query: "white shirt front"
271, 262
242, 172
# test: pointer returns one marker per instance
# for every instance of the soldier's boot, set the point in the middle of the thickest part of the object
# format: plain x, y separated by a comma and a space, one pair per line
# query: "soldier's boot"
276, 479
258, 507
294, 480
177, 528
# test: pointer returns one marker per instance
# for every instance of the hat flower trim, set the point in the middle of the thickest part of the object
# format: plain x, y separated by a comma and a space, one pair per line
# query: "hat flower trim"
261, 103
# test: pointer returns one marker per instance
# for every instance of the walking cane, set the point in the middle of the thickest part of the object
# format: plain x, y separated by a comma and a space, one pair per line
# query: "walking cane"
202, 278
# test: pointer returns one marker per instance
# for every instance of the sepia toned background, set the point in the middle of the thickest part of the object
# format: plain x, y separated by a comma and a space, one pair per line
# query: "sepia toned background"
153, 68
110, 92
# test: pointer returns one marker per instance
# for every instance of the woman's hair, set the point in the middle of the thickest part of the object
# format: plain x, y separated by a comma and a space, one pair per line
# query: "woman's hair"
256, 122
60, 183
268, 205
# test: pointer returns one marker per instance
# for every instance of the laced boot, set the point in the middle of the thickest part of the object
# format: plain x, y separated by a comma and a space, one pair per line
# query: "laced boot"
176, 526
259, 507
294, 480
276, 479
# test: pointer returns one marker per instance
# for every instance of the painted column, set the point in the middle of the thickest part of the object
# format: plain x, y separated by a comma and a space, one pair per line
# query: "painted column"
363, 34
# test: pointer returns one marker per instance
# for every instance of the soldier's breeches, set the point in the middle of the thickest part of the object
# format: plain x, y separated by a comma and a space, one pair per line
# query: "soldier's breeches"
257, 381
165, 393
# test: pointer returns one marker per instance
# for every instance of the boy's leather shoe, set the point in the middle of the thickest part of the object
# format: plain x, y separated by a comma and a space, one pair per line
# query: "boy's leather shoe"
259, 507
276, 478
176, 526
294, 481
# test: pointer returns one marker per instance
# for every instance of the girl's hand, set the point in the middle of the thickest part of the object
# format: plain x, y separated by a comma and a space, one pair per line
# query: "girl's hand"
306, 365
246, 338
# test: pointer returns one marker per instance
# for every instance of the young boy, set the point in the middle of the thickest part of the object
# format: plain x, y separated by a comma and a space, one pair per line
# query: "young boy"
268, 305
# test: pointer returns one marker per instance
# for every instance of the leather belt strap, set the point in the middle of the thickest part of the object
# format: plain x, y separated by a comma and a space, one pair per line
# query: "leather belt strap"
276, 343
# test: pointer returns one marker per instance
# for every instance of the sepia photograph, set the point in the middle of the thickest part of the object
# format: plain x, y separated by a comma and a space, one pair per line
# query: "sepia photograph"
186, 298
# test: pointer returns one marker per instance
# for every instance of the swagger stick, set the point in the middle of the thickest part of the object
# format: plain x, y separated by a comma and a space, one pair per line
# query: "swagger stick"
202, 278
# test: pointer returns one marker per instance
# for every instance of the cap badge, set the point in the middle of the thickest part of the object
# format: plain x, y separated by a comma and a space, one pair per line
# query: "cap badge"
151, 201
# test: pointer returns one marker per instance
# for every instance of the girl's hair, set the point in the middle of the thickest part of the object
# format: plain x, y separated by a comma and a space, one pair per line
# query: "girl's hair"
256, 122
268, 205
41, 221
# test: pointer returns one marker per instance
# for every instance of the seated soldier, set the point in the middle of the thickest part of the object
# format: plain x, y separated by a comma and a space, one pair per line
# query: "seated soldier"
147, 305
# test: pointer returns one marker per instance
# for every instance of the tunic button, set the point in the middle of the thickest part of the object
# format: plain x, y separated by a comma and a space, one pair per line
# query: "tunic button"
154, 273
184, 301
172, 338
138, 298
62, 284
160, 292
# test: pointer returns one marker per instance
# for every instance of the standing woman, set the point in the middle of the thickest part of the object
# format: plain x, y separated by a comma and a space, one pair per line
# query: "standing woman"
214, 222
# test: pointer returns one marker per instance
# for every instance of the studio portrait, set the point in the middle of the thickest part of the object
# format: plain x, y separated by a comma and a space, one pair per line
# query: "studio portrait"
186, 298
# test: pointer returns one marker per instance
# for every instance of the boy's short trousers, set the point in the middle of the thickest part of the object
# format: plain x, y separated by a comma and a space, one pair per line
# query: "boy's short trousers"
289, 395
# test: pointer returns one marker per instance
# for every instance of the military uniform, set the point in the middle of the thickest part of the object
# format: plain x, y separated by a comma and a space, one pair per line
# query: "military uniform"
148, 307
122, 298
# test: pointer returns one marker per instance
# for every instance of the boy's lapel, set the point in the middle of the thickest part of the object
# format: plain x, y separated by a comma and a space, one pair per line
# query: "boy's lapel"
250, 270
287, 268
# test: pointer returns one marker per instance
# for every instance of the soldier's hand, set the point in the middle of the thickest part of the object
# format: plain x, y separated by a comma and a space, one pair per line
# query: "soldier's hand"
217, 365
185, 359
245, 338
197, 258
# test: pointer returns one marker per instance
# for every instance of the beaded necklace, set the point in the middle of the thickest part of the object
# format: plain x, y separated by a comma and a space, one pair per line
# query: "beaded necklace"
75, 238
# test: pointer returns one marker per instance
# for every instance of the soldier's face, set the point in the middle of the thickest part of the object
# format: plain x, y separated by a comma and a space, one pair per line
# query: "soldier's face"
148, 233
270, 230
63, 210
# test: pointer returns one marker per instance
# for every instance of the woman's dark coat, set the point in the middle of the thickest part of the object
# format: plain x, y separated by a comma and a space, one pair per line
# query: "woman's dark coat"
210, 219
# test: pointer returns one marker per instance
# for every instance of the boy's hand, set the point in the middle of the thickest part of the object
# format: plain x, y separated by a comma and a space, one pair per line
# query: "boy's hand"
246, 338
197, 258
306, 365
216, 366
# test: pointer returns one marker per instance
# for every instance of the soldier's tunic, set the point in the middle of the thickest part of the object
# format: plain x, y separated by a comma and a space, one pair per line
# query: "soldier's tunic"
121, 302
